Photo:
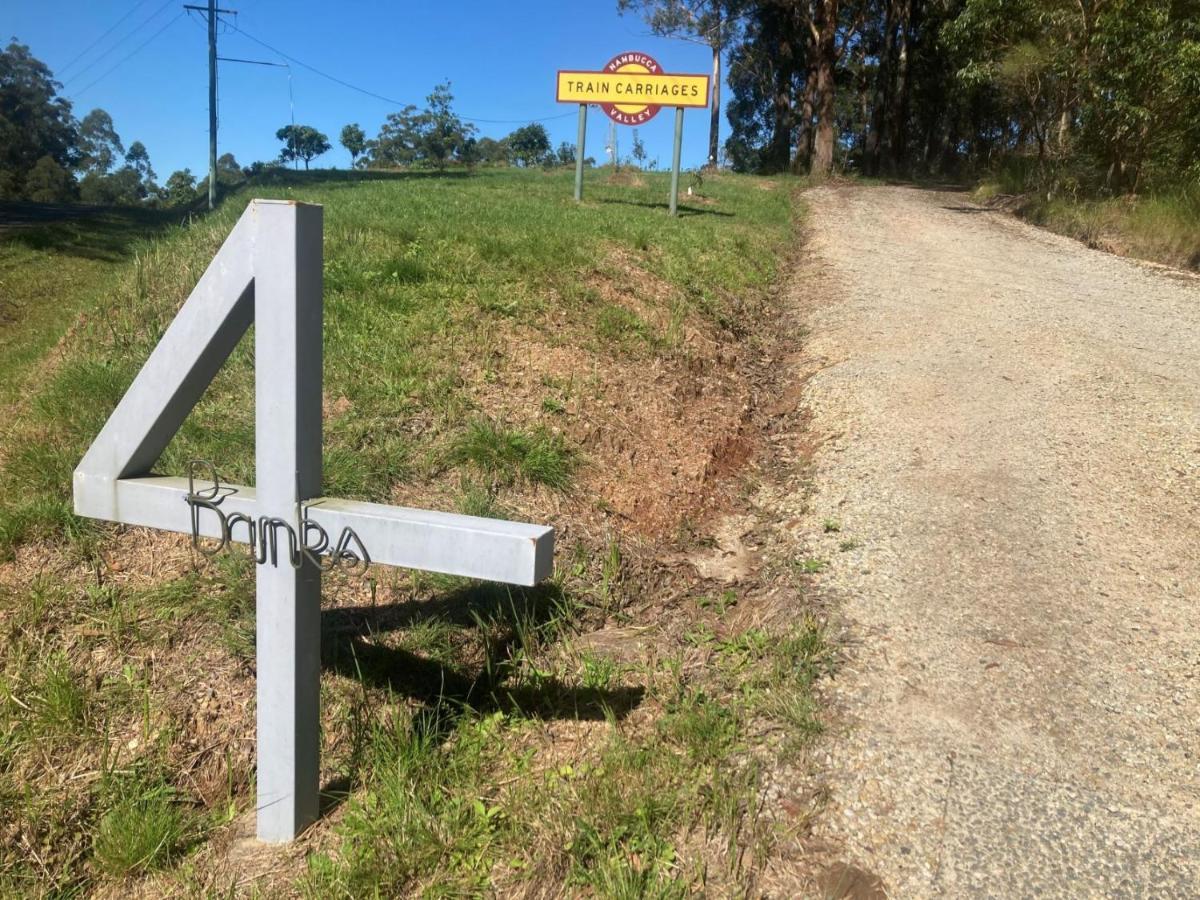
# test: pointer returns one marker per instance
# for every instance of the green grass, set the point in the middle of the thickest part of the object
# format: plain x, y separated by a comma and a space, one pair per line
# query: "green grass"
422, 273
452, 805
141, 829
79, 258
1162, 226
506, 454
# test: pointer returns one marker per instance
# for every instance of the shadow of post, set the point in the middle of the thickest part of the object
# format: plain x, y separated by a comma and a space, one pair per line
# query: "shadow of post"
352, 647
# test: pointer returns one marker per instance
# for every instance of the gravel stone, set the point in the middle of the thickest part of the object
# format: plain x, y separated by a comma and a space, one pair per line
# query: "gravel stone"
1010, 438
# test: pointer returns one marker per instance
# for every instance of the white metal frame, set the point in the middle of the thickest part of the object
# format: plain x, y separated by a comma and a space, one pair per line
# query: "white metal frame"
268, 272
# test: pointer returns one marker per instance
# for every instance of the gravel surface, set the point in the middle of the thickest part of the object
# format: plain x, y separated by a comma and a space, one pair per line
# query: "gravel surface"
1011, 451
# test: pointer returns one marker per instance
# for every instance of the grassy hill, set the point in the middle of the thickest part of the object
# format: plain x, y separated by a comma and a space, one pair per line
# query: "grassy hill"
490, 348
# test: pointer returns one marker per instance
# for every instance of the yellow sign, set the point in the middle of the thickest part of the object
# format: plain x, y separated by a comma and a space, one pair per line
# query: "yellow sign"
633, 88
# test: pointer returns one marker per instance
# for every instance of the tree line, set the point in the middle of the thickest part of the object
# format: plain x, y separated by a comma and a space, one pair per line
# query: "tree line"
435, 136
48, 155
1100, 95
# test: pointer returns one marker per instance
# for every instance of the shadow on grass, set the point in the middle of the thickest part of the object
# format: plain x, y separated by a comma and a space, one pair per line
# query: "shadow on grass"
349, 649
682, 210
936, 185
94, 232
296, 178
446, 693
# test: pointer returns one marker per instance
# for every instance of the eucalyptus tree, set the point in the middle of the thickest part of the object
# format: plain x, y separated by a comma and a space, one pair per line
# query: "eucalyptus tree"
301, 142
713, 23
354, 141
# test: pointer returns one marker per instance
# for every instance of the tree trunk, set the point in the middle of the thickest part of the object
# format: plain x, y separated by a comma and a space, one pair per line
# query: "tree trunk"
864, 95
714, 122
826, 135
804, 136
873, 147
899, 107
781, 134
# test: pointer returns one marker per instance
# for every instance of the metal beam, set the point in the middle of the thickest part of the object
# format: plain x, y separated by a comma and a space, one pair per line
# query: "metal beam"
452, 544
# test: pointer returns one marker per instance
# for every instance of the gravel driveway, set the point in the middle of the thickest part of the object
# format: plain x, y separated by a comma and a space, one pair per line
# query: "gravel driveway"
1012, 451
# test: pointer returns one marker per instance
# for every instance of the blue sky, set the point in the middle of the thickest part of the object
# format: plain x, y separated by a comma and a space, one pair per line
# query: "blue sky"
501, 59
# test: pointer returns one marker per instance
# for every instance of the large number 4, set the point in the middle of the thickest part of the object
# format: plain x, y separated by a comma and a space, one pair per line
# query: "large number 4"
268, 272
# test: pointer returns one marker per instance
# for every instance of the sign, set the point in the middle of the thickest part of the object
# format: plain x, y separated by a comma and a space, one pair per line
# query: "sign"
268, 272
632, 88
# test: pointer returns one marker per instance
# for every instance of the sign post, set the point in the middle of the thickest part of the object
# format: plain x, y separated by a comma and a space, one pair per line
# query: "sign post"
580, 141
675, 154
631, 89
268, 272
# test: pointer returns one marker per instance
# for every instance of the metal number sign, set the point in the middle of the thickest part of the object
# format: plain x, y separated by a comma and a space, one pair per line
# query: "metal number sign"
268, 272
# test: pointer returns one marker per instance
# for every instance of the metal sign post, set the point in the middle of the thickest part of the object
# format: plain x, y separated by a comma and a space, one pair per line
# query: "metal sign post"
580, 140
631, 89
675, 154
268, 271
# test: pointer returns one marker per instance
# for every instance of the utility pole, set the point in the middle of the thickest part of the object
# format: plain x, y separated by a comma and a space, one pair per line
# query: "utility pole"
212, 103
211, 11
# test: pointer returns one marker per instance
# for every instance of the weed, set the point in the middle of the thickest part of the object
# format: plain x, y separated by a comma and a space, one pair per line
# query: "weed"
508, 454
832, 526
61, 700
141, 829
703, 727
476, 499
811, 566
720, 604
599, 672
623, 328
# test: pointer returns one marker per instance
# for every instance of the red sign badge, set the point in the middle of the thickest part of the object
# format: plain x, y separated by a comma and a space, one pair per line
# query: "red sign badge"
632, 113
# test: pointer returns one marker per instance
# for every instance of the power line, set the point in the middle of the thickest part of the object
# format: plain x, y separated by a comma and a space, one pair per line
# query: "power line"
88, 49
143, 24
389, 100
130, 55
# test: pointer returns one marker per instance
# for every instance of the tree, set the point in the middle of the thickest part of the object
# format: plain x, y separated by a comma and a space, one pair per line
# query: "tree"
1096, 96
713, 23
123, 187
301, 142
399, 139
229, 171
48, 182
444, 134
529, 145
492, 152
565, 156
354, 141
768, 81
638, 153
99, 144
34, 121
138, 158
180, 188
434, 135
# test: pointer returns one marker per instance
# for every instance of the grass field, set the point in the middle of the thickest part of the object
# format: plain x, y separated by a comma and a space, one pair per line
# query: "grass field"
490, 348
48, 271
